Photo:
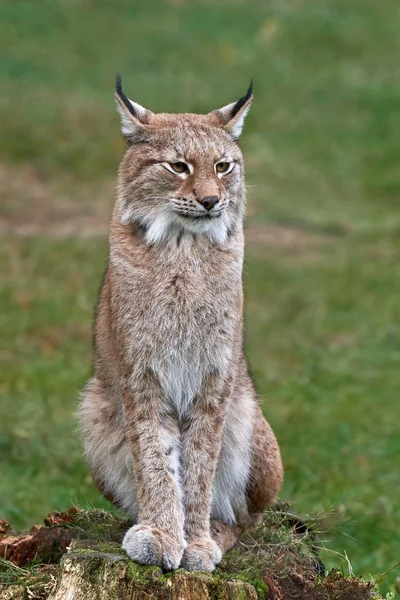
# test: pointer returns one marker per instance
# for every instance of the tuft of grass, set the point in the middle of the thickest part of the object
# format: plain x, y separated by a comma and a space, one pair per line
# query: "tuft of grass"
283, 543
100, 525
38, 580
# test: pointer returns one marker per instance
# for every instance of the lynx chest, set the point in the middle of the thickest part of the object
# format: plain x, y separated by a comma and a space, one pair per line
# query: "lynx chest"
184, 325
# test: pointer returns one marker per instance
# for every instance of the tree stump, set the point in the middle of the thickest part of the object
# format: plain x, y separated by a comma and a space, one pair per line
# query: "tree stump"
276, 561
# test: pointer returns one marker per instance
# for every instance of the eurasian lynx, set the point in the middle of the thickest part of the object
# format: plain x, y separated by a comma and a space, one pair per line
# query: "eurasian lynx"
172, 429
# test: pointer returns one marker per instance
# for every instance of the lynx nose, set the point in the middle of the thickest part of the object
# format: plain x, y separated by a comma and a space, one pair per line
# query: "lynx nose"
209, 202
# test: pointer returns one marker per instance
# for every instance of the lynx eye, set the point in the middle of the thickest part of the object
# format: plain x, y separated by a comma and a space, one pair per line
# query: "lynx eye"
179, 167
223, 167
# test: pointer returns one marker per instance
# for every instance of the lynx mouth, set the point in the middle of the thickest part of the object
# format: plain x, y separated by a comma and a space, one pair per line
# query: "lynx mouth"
199, 216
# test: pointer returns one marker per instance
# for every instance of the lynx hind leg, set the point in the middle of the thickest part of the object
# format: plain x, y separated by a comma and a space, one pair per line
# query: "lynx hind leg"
266, 472
106, 449
224, 534
264, 482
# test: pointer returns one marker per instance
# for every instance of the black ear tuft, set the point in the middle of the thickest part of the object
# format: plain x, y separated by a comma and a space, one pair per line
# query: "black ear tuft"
242, 100
118, 89
118, 84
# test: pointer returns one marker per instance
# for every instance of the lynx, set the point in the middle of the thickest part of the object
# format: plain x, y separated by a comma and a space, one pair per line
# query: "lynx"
172, 430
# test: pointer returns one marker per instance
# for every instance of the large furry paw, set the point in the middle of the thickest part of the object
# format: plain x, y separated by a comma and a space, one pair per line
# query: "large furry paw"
202, 555
150, 546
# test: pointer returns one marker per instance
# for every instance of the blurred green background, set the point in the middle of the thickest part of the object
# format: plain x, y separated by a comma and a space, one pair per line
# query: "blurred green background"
323, 255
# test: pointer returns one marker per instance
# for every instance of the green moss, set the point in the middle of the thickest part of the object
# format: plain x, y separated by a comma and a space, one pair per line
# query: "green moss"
87, 546
241, 594
251, 576
143, 575
219, 591
94, 564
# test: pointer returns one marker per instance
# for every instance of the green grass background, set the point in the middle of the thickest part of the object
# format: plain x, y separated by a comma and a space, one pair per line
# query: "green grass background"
322, 311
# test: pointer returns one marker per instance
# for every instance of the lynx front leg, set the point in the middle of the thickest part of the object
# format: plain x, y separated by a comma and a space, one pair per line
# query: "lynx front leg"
201, 444
158, 538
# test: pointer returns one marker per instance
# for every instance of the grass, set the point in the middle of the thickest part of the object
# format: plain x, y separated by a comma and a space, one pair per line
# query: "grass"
38, 580
322, 266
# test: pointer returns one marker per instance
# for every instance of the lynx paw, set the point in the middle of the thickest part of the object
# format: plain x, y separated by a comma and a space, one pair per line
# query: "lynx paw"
150, 546
202, 555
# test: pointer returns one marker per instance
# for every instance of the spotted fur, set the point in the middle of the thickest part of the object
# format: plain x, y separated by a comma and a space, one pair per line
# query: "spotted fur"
172, 430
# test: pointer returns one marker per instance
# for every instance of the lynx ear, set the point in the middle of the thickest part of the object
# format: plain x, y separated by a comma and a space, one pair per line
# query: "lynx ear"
133, 116
232, 116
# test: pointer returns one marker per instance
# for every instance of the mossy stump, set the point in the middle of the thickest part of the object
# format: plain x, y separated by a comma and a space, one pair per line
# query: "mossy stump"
273, 562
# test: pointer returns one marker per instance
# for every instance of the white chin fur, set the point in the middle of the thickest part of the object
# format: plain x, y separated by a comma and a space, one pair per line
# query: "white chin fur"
216, 229
168, 226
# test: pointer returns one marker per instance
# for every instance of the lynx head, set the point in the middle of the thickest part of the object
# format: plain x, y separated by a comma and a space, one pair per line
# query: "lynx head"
182, 173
